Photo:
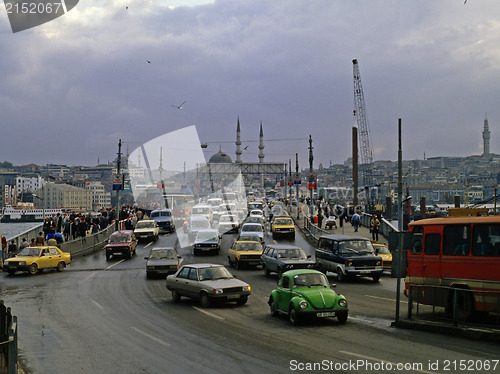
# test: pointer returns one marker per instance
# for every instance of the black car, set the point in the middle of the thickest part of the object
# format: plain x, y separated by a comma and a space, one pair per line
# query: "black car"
164, 219
162, 262
279, 258
348, 256
207, 241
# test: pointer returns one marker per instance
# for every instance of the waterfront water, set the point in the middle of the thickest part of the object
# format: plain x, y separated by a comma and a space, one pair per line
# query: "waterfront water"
11, 229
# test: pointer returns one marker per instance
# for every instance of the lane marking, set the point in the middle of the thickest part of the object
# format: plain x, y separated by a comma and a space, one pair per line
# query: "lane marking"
147, 245
97, 304
90, 276
388, 362
385, 298
151, 337
208, 313
109, 267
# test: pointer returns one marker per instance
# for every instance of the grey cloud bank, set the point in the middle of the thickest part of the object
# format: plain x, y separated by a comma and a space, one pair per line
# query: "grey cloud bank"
72, 87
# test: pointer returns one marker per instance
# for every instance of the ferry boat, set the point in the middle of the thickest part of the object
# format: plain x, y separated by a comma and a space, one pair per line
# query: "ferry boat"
26, 212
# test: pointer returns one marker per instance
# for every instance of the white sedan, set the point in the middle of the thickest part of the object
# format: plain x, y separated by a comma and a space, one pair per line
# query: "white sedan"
253, 228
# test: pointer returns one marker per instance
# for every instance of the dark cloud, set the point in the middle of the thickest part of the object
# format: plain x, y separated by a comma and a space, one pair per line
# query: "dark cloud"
75, 85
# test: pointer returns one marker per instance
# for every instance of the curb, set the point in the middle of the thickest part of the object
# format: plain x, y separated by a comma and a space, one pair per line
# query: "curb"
473, 333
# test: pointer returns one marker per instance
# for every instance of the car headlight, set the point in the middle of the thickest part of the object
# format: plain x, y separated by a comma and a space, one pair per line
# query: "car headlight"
342, 302
349, 263
303, 304
218, 291
22, 263
246, 288
289, 266
378, 263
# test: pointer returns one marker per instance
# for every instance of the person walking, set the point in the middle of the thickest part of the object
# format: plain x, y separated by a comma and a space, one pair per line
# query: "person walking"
374, 227
355, 221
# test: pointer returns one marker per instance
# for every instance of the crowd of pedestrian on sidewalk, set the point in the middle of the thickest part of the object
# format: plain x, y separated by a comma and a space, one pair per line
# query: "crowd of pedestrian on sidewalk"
60, 228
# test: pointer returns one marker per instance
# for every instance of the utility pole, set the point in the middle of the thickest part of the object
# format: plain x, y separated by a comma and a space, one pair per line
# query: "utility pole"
311, 159
355, 200
400, 219
118, 176
297, 186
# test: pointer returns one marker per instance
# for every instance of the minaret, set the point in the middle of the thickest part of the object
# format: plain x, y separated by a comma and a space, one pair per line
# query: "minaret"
261, 145
486, 137
238, 143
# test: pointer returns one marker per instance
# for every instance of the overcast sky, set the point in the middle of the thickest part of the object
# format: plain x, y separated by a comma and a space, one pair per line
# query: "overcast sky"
71, 88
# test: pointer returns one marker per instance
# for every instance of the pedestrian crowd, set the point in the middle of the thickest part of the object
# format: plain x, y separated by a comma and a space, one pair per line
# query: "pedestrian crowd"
60, 228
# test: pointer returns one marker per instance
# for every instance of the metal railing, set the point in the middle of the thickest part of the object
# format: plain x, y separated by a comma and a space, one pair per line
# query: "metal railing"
452, 304
8, 341
385, 226
89, 244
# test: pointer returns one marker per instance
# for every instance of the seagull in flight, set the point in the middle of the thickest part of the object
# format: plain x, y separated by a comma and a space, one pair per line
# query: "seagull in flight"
180, 106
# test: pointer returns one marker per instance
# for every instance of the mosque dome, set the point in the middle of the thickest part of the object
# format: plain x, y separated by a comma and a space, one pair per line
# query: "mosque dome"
220, 158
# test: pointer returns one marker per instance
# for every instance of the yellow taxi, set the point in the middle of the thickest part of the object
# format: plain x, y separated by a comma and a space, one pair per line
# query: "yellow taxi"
35, 259
245, 252
283, 226
383, 251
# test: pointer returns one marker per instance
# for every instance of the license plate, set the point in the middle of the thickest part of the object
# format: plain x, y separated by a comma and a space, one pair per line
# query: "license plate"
117, 253
233, 296
325, 314
364, 272
206, 249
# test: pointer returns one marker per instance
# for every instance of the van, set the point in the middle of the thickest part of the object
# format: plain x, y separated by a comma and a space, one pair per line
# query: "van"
348, 256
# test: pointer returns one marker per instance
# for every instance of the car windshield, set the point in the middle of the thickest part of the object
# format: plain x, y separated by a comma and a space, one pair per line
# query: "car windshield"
200, 224
206, 235
169, 254
382, 249
252, 228
357, 247
248, 246
228, 219
118, 238
213, 273
292, 253
248, 237
200, 211
283, 221
29, 251
144, 225
310, 280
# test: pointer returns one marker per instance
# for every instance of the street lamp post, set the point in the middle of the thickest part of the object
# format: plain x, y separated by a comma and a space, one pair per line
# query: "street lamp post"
43, 203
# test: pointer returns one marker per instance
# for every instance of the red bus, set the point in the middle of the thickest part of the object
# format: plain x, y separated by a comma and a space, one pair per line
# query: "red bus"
454, 262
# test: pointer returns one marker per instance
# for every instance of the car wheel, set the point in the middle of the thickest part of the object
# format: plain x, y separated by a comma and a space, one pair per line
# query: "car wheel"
272, 307
342, 317
266, 270
237, 265
279, 271
195, 252
292, 236
33, 269
204, 300
10, 272
60, 266
229, 262
340, 275
293, 316
108, 257
242, 301
131, 253
175, 296
376, 278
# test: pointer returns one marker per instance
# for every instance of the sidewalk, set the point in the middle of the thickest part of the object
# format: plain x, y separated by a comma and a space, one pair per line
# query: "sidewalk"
347, 229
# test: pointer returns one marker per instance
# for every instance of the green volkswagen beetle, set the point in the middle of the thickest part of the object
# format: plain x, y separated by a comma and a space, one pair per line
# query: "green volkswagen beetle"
305, 292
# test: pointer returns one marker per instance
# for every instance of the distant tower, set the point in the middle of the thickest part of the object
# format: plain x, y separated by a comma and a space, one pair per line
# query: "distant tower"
238, 143
261, 145
486, 137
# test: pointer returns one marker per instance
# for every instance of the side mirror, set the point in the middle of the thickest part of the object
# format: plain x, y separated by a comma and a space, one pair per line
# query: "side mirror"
333, 285
146, 258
